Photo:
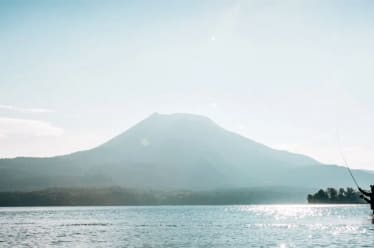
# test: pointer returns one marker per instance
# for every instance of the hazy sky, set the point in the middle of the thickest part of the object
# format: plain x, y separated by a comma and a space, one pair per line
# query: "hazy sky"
289, 74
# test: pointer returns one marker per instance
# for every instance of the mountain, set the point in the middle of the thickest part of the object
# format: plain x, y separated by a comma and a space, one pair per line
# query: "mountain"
177, 151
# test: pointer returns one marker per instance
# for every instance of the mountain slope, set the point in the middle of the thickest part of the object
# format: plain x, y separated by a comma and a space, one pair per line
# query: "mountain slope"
178, 151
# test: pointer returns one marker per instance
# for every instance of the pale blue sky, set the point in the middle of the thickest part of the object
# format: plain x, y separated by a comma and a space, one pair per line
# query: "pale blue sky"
289, 74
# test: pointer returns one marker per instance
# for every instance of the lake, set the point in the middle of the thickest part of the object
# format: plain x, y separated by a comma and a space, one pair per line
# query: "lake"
188, 226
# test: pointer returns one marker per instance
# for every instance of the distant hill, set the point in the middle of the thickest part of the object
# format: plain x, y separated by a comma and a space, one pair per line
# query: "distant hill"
176, 152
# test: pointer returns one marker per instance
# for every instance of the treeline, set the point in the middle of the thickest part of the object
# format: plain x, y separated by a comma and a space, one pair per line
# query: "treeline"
332, 195
123, 196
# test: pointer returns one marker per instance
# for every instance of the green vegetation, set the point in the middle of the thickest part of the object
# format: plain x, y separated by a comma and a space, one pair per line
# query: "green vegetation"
124, 196
334, 196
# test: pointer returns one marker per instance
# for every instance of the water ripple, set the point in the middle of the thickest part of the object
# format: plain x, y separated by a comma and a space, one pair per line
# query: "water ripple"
188, 226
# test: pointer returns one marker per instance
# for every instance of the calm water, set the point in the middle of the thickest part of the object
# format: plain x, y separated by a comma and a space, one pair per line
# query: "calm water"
188, 226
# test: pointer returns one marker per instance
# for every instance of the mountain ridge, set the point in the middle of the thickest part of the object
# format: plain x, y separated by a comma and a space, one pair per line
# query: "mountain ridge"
177, 151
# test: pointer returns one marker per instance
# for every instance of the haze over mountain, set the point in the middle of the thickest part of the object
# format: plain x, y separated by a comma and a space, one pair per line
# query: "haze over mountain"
171, 152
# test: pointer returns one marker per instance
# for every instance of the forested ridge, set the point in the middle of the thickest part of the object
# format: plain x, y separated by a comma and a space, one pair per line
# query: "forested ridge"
332, 195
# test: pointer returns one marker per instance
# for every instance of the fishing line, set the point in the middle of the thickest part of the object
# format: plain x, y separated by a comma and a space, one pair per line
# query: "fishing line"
345, 160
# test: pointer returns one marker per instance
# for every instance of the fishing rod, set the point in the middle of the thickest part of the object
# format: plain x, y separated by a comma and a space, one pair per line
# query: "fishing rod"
349, 170
345, 160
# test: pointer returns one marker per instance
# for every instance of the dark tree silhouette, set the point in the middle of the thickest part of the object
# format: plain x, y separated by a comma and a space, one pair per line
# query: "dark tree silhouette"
331, 195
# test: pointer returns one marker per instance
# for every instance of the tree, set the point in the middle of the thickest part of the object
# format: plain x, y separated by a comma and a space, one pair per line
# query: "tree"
332, 194
341, 195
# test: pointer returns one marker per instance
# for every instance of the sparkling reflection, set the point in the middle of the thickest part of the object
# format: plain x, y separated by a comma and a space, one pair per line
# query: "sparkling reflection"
188, 226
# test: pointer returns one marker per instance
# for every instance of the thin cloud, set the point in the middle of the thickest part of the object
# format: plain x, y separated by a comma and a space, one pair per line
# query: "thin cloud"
213, 105
27, 127
24, 110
